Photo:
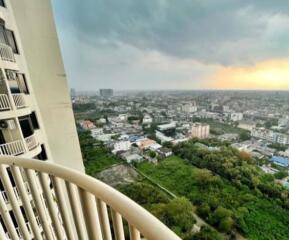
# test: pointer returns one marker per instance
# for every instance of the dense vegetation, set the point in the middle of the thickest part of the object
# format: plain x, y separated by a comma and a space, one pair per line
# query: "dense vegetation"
96, 156
220, 202
176, 213
237, 167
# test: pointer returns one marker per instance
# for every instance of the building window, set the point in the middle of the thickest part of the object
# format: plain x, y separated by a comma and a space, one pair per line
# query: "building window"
17, 81
11, 76
2, 3
22, 83
26, 126
11, 41
34, 120
7, 37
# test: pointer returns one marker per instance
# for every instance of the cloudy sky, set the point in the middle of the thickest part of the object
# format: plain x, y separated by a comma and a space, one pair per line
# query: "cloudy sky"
174, 44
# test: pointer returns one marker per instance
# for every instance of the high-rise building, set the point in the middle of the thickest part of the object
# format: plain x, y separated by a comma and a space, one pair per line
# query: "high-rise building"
106, 93
200, 130
38, 198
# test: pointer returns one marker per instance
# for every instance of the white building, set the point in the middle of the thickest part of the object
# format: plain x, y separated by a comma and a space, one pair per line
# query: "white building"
36, 118
200, 130
247, 125
283, 122
122, 146
190, 108
235, 117
163, 138
270, 136
96, 132
147, 119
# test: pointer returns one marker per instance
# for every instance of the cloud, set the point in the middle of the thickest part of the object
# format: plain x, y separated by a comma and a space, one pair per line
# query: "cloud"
167, 44
224, 32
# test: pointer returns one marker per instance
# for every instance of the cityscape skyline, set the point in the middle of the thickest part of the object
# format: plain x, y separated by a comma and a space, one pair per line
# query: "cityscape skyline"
169, 45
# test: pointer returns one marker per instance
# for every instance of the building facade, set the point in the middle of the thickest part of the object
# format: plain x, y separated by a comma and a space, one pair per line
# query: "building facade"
36, 118
200, 130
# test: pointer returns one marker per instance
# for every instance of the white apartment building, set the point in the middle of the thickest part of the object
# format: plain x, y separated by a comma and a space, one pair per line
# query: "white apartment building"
147, 119
283, 122
122, 146
235, 117
96, 132
190, 108
200, 130
270, 136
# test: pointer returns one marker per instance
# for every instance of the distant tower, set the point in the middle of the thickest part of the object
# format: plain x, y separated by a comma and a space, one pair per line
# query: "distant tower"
106, 93
72, 92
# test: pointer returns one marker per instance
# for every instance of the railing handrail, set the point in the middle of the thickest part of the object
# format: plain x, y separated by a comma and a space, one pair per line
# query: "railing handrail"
149, 226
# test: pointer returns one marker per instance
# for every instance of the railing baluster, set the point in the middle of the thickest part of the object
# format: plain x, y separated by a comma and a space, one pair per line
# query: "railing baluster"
133, 233
26, 201
104, 220
90, 214
76, 210
63, 207
2, 233
14, 202
117, 225
51, 205
7, 219
34, 187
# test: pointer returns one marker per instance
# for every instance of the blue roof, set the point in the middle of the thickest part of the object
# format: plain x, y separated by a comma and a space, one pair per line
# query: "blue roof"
282, 161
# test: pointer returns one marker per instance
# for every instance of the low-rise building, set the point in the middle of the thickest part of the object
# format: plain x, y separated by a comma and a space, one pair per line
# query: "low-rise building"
247, 125
121, 146
87, 124
235, 117
144, 144
281, 161
165, 152
96, 131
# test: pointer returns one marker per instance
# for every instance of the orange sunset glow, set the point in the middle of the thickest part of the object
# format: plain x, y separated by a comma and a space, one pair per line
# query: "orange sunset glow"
266, 75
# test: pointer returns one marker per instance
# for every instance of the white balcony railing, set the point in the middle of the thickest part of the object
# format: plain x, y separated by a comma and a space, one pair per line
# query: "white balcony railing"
4, 102
31, 142
6, 53
12, 148
19, 99
88, 208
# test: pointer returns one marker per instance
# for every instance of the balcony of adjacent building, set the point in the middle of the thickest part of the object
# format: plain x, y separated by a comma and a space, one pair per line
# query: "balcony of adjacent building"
67, 204
14, 94
19, 137
8, 45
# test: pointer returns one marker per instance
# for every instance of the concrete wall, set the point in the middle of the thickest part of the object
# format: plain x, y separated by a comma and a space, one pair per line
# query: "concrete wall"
34, 19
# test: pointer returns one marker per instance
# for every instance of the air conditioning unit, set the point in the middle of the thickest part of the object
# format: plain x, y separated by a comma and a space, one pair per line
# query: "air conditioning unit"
8, 124
11, 124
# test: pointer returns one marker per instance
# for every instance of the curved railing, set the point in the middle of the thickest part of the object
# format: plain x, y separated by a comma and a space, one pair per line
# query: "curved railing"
61, 203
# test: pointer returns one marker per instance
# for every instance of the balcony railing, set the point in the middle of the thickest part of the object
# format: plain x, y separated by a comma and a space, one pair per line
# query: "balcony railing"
12, 148
4, 102
17, 147
88, 208
19, 99
6, 53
